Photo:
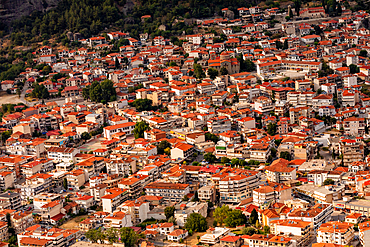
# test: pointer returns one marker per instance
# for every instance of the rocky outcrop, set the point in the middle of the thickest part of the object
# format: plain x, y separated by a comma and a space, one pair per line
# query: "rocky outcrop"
14, 9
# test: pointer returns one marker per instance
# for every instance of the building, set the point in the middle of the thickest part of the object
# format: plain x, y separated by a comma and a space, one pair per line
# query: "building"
354, 126
279, 171
181, 151
336, 233
14, 199
352, 150
59, 154
298, 228
237, 187
364, 235
218, 125
169, 191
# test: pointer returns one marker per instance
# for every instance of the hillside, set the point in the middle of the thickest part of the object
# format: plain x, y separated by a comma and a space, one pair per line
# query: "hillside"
89, 17
13, 9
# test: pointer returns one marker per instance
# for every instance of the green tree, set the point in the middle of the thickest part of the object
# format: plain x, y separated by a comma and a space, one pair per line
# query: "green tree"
143, 105
235, 161
249, 231
253, 217
211, 137
328, 181
212, 73
363, 53
286, 45
271, 129
65, 184
112, 235
92, 235
235, 218
162, 146
224, 71
196, 223
353, 69
198, 71
85, 136
140, 128
285, 155
169, 212
128, 236
220, 214
225, 160
210, 157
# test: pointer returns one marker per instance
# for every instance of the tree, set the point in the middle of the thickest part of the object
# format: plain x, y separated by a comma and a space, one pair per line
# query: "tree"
235, 218
363, 53
143, 105
266, 229
6, 135
224, 71
101, 92
235, 161
185, 198
258, 224
290, 13
140, 127
254, 217
220, 214
225, 160
196, 223
169, 212
210, 157
167, 151
211, 137
112, 235
92, 235
212, 73
353, 69
249, 231
128, 236
198, 71
40, 92
271, 129
19, 92
285, 155
286, 45
297, 6
85, 136
162, 146
328, 181
65, 183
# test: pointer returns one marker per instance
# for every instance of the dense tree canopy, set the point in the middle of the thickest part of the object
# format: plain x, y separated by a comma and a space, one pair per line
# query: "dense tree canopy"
100, 92
196, 222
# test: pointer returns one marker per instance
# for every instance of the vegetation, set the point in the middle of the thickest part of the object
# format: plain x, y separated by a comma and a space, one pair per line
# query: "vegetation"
162, 146
285, 155
143, 105
140, 128
196, 223
235, 218
40, 92
210, 157
253, 218
169, 212
100, 92
211, 137
328, 181
220, 214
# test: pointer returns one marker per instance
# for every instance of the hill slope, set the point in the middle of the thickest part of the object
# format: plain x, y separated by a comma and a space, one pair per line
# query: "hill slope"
89, 17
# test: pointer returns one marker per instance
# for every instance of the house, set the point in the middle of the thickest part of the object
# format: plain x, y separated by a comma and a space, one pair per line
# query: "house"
181, 151
177, 235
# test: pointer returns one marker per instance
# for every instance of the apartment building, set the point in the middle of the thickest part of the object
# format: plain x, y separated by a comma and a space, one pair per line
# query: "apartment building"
272, 192
207, 193
138, 210
279, 171
299, 228
336, 232
352, 150
237, 187
364, 235
316, 215
118, 220
7, 179
66, 155
132, 185
181, 151
218, 125
13, 199
169, 191
112, 199
126, 128
75, 179
35, 185
297, 112
259, 240
21, 220
263, 105
354, 126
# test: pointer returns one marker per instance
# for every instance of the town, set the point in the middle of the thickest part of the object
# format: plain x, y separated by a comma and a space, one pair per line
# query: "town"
251, 131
